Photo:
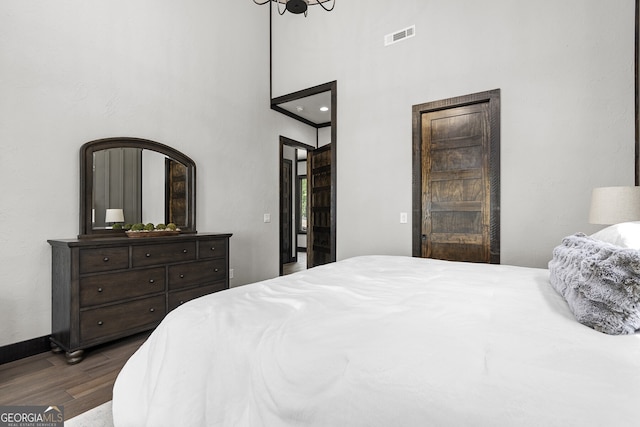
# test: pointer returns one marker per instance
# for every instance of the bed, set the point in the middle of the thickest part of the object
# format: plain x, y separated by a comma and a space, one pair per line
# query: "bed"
383, 341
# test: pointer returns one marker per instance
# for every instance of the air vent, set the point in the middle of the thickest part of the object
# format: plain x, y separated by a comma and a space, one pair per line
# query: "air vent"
404, 34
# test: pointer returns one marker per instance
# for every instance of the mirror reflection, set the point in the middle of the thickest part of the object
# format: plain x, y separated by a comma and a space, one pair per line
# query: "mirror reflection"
131, 185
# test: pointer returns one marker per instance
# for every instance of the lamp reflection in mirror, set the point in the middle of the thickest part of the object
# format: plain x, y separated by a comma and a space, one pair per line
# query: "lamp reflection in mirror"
299, 6
113, 216
614, 205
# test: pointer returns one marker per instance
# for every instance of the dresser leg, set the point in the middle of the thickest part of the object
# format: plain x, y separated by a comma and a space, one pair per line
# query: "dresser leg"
55, 348
74, 357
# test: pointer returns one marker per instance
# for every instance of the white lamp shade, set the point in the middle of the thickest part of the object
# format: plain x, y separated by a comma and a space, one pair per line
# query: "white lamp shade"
114, 215
613, 205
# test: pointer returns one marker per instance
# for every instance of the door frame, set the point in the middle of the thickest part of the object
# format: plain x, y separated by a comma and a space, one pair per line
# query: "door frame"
293, 170
295, 144
493, 98
637, 95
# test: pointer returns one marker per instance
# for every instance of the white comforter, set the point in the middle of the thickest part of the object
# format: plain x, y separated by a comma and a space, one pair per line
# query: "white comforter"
382, 341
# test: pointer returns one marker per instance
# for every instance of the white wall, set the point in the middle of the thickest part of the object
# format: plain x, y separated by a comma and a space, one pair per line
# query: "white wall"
565, 70
324, 136
179, 73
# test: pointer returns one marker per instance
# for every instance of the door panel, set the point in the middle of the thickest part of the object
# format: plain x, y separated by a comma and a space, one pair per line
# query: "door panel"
455, 184
319, 181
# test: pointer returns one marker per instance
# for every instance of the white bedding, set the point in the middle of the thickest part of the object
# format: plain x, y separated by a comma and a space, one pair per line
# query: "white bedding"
382, 341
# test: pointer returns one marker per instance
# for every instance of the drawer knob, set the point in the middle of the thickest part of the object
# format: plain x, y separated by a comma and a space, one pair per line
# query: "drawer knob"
105, 259
213, 248
184, 251
100, 323
147, 254
182, 276
152, 281
216, 270
152, 310
99, 289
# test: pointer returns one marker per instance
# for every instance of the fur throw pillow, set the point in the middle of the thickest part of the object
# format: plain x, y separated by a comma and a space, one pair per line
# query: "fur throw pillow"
600, 282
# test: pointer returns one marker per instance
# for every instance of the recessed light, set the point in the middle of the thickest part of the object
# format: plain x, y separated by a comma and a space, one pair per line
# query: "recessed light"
323, 109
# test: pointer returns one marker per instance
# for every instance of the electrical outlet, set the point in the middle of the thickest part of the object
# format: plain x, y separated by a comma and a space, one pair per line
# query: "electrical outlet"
267, 217
403, 217
231, 273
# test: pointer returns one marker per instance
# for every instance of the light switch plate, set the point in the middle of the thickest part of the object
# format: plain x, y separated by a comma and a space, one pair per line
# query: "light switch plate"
267, 217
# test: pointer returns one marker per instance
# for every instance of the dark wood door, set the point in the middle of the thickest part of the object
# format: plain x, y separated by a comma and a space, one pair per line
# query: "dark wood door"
319, 200
286, 202
459, 184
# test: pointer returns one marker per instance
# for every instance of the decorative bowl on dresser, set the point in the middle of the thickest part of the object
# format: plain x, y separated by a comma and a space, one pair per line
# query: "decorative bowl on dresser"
106, 285
109, 288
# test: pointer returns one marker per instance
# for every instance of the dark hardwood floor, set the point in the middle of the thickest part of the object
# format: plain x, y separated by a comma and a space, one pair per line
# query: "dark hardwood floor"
47, 379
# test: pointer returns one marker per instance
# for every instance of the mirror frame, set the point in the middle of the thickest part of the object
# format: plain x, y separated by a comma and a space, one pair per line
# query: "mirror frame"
637, 90
86, 181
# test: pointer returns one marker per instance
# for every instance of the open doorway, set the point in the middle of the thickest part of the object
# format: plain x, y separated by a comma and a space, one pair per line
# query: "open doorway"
294, 205
315, 107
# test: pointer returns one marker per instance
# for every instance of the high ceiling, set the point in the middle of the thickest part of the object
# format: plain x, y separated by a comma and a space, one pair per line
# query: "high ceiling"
309, 107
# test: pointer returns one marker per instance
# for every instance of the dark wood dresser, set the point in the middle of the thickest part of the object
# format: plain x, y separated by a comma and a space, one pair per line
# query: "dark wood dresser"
109, 288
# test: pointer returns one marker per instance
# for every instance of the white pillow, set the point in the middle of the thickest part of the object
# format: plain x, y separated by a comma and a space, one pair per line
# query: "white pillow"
626, 235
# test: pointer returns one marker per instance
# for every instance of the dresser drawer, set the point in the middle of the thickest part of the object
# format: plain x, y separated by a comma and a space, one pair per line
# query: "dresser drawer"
194, 273
163, 253
109, 287
103, 259
118, 319
180, 297
213, 248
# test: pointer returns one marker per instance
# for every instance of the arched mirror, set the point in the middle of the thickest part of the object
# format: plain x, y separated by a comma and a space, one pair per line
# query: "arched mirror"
138, 181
